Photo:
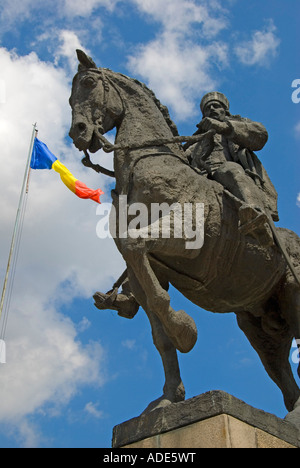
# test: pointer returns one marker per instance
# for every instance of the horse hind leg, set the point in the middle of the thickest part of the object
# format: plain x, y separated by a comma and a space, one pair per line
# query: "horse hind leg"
290, 309
179, 326
271, 338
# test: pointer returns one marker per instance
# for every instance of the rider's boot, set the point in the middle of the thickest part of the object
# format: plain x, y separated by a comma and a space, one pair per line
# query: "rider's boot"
124, 303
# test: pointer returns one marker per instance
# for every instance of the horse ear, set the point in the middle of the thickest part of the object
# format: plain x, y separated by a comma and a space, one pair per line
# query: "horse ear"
84, 60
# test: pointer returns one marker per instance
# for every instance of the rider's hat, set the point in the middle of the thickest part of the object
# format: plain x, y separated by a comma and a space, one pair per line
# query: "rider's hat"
214, 96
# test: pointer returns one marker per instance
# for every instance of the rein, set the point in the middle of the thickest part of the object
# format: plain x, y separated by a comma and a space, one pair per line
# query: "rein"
86, 161
108, 147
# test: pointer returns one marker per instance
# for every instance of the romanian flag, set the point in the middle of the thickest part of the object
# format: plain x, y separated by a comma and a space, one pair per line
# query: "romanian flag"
42, 158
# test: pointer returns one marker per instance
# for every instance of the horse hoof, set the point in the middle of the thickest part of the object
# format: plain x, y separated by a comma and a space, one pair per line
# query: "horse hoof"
181, 330
161, 402
294, 416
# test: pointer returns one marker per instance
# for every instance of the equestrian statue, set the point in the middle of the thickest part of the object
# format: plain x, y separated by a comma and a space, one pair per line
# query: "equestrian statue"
245, 265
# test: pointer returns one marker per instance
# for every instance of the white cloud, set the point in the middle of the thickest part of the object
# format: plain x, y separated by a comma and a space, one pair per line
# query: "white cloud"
297, 130
262, 47
85, 9
68, 43
298, 200
62, 45
13, 12
83, 325
175, 65
60, 255
179, 16
129, 344
92, 409
175, 78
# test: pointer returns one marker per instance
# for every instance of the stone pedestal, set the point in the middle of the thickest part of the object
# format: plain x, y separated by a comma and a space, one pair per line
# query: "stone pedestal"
212, 420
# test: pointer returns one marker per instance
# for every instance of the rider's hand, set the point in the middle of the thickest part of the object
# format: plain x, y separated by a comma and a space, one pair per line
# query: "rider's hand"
211, 124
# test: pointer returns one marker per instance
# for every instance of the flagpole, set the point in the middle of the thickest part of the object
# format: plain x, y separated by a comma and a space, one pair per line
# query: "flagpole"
17, 220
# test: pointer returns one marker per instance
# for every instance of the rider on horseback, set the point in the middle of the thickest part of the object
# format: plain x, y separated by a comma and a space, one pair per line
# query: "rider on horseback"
225, 154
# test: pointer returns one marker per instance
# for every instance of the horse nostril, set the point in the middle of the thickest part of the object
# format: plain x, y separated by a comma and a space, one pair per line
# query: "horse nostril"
81, 126
78, 130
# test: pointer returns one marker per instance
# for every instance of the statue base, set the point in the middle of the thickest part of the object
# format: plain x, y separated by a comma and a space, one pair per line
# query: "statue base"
212, 420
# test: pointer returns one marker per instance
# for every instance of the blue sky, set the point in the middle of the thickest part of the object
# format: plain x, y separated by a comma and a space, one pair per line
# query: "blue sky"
73, 372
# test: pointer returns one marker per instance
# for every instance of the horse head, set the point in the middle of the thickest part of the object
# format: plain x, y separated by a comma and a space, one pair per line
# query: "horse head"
96, 105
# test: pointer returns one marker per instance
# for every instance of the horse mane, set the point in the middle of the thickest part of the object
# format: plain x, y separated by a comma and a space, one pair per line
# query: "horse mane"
163, 109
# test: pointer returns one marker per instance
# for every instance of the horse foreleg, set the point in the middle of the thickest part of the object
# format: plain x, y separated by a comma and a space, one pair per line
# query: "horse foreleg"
173, 390
179, 326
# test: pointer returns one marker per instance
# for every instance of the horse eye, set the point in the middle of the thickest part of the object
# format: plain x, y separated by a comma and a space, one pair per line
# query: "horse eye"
89, 82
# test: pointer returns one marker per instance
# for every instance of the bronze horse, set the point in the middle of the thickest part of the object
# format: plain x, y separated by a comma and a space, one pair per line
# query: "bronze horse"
231, 272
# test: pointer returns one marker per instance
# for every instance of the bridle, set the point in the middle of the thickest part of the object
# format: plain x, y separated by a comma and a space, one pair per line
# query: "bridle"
107, 147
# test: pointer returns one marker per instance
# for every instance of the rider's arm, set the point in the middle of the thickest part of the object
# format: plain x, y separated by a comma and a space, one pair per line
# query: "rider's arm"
247, 134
